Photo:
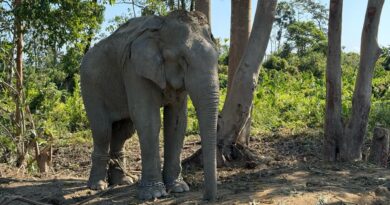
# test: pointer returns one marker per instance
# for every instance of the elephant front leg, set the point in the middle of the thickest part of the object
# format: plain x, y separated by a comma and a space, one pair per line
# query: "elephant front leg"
147, 124
175, 121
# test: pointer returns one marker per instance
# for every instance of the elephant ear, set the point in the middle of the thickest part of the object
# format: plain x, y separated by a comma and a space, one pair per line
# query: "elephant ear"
145, 53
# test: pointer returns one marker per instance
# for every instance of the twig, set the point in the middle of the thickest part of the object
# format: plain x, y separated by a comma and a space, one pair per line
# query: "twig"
9, 87
7, 130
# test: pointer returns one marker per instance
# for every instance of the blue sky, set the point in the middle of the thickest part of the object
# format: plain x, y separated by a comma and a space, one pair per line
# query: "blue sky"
353, 17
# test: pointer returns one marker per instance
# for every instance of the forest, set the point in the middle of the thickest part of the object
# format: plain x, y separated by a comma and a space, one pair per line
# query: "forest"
283, 150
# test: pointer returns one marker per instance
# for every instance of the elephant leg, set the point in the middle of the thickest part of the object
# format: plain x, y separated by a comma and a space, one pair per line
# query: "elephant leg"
175, 122
147, 123
121, 131
101, 133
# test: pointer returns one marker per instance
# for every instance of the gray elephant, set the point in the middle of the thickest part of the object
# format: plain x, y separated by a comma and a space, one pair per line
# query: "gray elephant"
148, 63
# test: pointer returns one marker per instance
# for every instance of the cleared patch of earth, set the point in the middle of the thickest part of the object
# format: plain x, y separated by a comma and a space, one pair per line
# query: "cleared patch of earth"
288, 170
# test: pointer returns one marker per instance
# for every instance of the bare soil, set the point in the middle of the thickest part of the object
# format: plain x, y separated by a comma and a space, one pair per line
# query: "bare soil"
288, 170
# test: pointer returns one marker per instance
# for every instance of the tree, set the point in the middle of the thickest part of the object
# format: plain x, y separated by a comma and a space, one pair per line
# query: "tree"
289, 12
317, 11
41, 31
204, 7
333, 124
305, 37
236, 110
239, 34
19, 95
285, 15
90, 33
348, 146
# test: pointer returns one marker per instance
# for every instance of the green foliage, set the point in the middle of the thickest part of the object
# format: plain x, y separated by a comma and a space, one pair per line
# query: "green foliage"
305, 37
386, 58
285, 15
55, 23
318, 12
296, 101
153, 7
223, 49
54, 110
275, 62
288, 101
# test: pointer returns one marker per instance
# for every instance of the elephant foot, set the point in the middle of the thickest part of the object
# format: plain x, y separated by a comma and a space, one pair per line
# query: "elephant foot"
98, 174
177, 186
118, 177
151, 190
97, 184
116, 172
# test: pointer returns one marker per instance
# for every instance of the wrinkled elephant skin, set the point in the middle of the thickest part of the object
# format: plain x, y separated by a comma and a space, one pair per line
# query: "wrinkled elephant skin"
148, 63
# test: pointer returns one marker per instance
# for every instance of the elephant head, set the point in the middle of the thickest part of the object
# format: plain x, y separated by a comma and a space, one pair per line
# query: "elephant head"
178, 51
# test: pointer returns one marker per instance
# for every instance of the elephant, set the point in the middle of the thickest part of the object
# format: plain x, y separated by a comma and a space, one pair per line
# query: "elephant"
148, 63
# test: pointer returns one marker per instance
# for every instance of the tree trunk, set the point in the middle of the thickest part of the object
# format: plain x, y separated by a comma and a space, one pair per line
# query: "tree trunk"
192, 5
90, 33
369, 53
239, 34
171, 5
183, 5
19, 99
204, 7
236, 110
379, 151
333, 124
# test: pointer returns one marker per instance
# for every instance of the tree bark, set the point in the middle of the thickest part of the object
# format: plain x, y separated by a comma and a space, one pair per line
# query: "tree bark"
379, 151
333, 124
204, 7
369, 53
192, 5
236, 110
19, 98
239, 34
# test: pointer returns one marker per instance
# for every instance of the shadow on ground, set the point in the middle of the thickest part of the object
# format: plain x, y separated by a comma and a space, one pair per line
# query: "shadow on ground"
288, 171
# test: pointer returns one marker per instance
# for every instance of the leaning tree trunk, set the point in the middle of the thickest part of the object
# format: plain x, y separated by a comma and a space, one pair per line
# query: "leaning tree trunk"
239, 34
351, 147
204, 7
236, 110
19, 99
333, 124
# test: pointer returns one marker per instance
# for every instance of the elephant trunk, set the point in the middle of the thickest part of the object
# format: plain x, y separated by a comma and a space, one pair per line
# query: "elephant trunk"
206, 104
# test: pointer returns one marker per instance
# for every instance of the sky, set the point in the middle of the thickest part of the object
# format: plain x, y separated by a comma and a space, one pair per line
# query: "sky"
353, 17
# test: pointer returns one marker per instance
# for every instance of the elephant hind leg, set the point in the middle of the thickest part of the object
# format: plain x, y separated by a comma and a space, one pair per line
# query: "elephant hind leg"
121, 131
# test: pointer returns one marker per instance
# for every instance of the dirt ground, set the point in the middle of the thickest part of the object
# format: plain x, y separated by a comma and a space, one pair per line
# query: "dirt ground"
288, 171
